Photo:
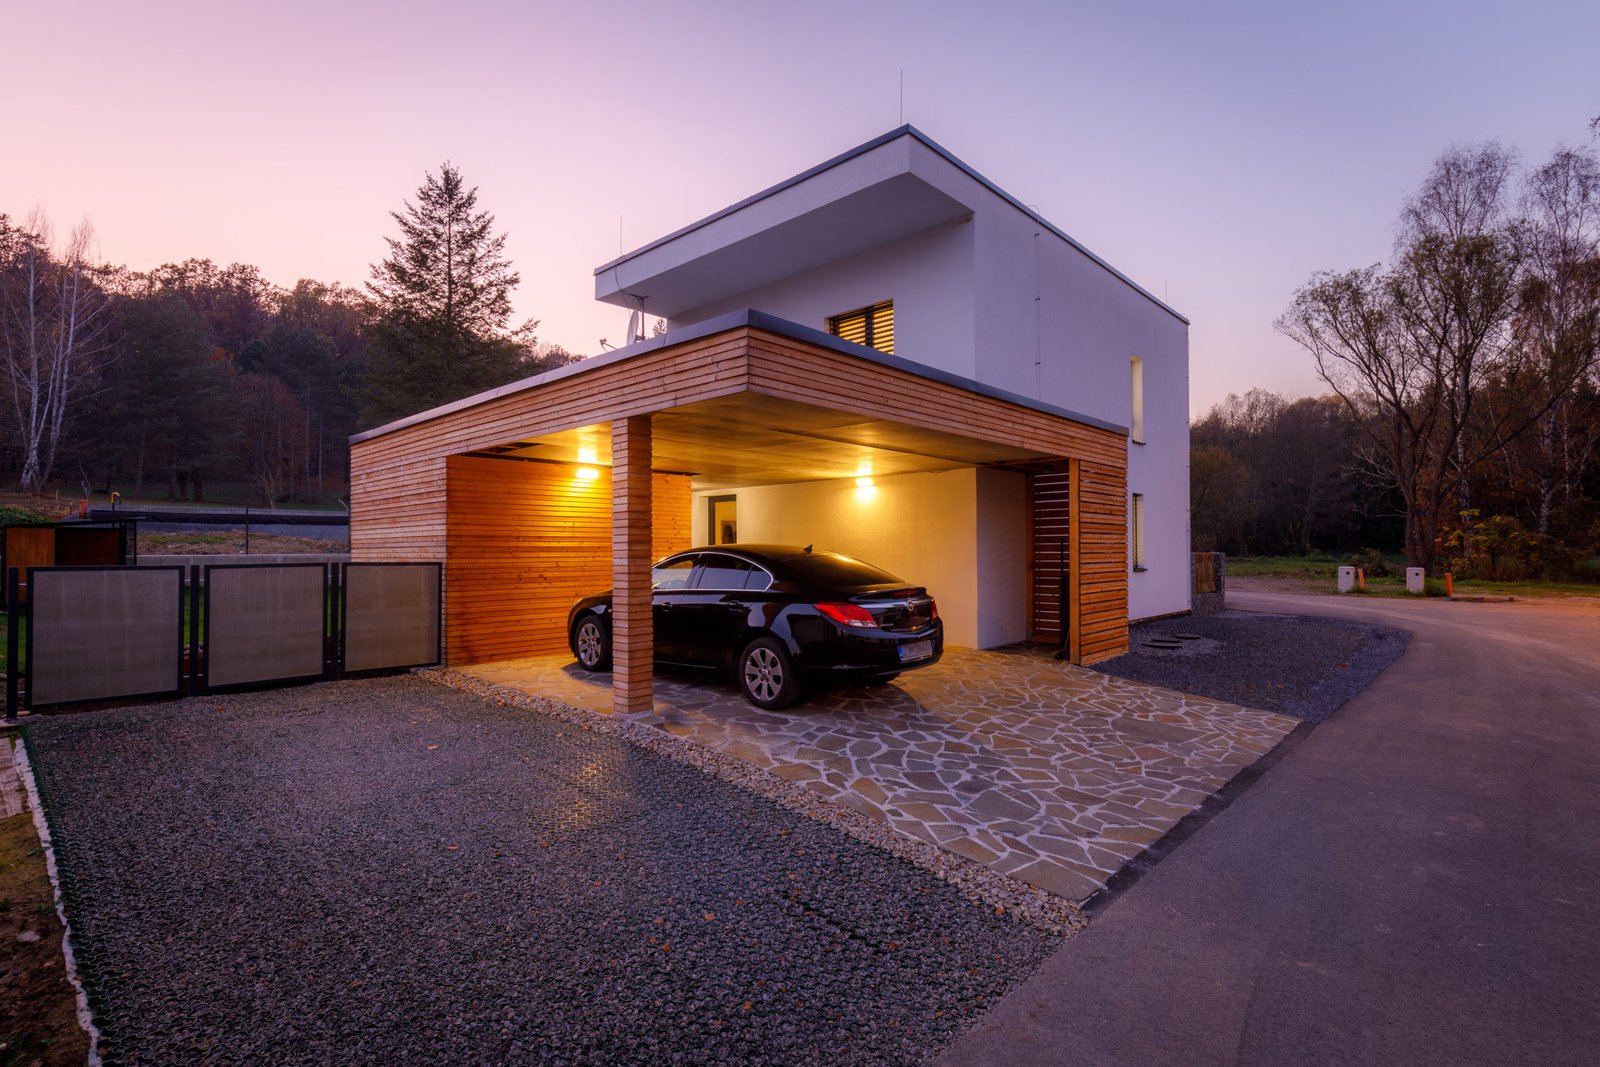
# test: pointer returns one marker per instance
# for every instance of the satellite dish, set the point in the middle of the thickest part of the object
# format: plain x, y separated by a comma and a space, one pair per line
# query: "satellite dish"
635, 326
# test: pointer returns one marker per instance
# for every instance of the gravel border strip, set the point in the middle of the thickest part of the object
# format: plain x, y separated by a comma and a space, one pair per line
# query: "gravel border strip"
1024, 902
41, 826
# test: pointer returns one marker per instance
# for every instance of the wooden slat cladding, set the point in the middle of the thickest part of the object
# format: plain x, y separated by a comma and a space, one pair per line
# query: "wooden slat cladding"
632, 627
793, 370
1050, 509
400, 485
1101, 619
526, 540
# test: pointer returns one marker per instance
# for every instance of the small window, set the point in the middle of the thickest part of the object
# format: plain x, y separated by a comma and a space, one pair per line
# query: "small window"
871, 326
674, 574
1137, 541
1137, 429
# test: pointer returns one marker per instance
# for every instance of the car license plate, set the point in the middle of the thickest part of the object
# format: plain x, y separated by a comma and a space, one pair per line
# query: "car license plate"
915, 650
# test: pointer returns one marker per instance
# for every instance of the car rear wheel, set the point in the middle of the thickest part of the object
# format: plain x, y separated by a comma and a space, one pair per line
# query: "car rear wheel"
592, 642
767, 675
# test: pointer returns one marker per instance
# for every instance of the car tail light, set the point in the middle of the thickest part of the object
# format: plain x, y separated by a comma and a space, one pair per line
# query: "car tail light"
848, 614
933, 608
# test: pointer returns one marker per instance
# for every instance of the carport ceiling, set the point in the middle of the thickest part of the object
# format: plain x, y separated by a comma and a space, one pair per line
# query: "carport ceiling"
750, 439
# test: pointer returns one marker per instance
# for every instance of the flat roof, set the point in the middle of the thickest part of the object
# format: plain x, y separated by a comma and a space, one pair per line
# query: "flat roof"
860, 150
733, 320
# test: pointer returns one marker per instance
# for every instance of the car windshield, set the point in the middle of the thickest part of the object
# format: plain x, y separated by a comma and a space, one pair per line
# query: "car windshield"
829, 568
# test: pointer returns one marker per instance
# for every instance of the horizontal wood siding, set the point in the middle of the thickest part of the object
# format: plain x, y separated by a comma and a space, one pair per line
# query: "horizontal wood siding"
401, 506
793, 370
527, 539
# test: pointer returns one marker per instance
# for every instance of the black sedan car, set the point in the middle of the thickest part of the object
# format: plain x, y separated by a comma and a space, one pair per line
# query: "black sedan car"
780, 619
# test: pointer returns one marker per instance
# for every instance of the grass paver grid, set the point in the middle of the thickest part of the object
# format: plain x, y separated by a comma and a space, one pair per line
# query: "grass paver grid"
378, 870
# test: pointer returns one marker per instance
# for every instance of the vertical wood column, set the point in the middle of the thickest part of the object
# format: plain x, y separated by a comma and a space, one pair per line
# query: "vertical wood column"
631, 631
1074, 605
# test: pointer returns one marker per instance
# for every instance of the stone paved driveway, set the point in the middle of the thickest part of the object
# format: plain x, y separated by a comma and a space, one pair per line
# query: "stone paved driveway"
1050, 773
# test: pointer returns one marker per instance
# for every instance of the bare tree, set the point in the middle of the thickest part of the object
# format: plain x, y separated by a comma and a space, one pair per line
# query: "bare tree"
54, 324
1408, 349
1558, 318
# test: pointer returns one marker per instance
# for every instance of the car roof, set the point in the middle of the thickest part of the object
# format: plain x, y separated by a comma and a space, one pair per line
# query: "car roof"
763, 553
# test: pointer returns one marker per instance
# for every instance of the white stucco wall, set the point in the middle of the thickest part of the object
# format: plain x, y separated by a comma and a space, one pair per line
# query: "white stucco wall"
924, 528
1002, 565
928, 275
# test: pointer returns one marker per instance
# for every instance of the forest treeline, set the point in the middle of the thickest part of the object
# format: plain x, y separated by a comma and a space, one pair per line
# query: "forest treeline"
165, 382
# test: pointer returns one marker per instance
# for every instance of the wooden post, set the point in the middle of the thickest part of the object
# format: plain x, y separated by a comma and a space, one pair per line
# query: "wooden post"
632, 644
1072, 605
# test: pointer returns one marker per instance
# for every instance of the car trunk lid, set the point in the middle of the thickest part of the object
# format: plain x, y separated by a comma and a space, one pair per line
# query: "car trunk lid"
902, 608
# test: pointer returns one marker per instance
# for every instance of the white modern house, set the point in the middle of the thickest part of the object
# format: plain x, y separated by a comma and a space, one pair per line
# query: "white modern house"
885, 356
900, 245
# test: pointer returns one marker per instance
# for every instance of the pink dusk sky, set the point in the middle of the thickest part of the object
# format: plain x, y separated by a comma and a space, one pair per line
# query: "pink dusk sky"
1215, 153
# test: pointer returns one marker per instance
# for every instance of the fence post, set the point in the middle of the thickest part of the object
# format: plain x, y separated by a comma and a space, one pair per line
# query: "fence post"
341, 577
13, 635
195, 600
330, 633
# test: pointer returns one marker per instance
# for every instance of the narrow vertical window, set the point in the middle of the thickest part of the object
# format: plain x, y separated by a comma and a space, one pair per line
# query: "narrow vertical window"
1136, 542
871, 326
1138, 400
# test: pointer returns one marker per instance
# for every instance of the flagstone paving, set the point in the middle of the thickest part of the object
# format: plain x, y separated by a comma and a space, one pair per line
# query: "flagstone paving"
1052, 774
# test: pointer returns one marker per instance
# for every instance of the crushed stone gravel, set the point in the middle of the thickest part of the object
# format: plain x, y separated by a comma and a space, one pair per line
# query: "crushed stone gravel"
390, 870
1295, 665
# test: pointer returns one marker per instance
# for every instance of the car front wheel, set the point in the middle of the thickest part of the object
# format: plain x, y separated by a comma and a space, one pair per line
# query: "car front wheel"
592, 642
767, 676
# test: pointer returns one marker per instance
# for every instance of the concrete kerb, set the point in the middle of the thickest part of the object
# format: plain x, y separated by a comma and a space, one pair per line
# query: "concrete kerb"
19, 758
1023, 902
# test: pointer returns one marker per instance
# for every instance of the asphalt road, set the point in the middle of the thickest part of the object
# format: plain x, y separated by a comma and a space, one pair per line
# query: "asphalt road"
1417, 882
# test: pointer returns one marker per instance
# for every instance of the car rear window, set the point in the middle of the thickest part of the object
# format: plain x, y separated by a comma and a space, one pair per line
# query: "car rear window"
828, 568
724, 572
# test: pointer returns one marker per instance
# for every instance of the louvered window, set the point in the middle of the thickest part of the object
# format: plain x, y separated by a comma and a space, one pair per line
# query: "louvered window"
871, 326
1138, 532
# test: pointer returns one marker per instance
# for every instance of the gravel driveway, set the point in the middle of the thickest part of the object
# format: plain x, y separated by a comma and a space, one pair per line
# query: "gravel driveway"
384, 870
1301, 666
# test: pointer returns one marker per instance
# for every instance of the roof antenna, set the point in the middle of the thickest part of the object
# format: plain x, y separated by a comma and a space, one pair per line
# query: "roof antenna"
902, 96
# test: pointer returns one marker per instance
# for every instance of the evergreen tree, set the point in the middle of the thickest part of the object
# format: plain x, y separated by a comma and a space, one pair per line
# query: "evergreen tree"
442, 301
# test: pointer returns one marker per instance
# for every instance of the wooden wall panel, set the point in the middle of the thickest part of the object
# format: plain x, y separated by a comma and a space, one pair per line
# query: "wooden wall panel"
1050, 540
400, 485
1102, 562
527, 539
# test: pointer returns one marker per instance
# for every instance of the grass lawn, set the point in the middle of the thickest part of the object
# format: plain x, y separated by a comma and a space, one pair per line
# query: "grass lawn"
39, 1023
1321, 572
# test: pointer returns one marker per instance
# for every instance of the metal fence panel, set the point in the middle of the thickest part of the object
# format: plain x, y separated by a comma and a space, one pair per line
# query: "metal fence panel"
264, 623
97, 633
391, 615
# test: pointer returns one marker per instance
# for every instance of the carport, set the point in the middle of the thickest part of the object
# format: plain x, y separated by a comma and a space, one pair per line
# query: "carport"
560, 485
